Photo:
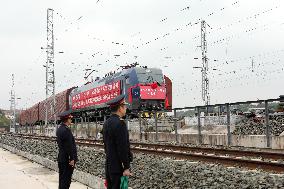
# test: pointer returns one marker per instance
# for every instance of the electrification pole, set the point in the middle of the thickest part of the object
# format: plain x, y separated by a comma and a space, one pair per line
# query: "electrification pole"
13, 104
205, 79
50, 75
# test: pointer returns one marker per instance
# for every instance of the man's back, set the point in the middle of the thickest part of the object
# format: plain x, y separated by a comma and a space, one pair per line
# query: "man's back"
66, 144
116, 141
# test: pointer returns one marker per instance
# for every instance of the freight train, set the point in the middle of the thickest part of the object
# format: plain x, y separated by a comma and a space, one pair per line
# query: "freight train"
145, 89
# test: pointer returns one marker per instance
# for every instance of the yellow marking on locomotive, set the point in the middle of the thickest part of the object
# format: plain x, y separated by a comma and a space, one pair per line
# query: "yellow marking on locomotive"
152, 114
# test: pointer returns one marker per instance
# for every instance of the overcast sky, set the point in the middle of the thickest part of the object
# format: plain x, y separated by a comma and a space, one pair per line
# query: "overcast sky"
245, 38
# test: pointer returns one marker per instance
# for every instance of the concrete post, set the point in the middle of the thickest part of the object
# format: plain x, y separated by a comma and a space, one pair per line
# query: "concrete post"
88, 128
82, 126
219, 114
39, 128
199, 126
140, 126
75, 129
85, 128
268, 138
228, 124
175, 125
43, 128
41, 124
16, 128
96, 137
156, 126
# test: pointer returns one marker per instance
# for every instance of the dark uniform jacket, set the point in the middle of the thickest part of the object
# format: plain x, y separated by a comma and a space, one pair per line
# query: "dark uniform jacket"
66, 144
116, 143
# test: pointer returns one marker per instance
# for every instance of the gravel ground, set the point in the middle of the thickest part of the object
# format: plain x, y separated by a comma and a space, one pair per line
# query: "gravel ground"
249, 127
158, 172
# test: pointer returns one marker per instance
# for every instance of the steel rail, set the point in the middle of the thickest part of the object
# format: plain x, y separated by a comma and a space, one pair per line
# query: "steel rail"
236, 158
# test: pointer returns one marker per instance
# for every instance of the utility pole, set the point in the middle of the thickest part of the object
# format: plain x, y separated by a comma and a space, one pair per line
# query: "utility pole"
13, 104
50, 75
205, 79
252, 65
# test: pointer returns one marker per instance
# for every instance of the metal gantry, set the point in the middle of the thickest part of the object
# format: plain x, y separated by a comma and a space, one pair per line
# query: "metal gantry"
13, 104
50, 75
205, 79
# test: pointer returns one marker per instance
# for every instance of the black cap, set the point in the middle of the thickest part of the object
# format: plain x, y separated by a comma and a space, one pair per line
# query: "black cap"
116, 101
65, 115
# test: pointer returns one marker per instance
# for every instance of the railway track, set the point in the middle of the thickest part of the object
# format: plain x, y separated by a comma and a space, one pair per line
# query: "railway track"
268, 161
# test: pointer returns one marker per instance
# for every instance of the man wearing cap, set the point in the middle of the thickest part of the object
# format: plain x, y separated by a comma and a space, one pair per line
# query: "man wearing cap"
116, 143
67, 156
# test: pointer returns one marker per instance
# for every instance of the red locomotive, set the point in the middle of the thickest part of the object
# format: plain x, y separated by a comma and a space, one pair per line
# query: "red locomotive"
146, 89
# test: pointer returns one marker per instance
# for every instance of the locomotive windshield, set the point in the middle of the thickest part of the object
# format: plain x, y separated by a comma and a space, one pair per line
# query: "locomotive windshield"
150, 76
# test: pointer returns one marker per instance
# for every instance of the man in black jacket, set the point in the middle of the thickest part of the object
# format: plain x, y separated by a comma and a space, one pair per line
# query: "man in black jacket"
67, 156
116, 143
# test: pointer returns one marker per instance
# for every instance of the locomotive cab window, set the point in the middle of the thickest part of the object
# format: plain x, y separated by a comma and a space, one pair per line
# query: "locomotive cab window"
150, 78
127, 81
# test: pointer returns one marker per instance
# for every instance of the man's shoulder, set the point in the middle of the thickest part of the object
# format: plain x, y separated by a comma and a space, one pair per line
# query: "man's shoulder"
62, 129
113, 119
113, 122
